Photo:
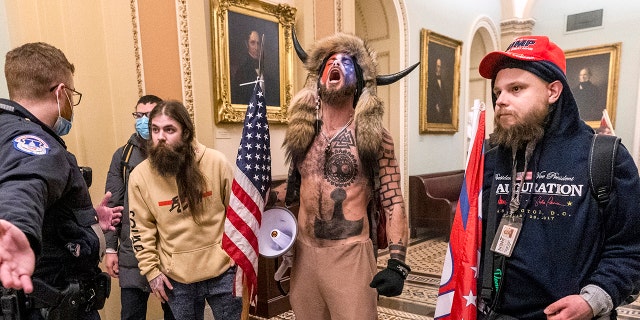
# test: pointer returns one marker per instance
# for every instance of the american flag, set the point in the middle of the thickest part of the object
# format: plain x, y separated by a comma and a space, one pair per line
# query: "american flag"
251, 182
457, 295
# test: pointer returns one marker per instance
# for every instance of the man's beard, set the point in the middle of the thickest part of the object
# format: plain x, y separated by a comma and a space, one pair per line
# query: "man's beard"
529, 128
335, 97
168, 161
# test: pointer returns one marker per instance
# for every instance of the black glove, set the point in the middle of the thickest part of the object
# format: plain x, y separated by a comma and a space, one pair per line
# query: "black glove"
390, 281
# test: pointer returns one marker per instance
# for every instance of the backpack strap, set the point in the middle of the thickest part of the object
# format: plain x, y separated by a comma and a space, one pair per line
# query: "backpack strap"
124, 161
601, 163
602, 160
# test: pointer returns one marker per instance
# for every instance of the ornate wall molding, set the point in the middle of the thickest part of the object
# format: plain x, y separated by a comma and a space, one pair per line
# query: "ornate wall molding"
404, 138
339, 13
137, 46
185, 54
182, 21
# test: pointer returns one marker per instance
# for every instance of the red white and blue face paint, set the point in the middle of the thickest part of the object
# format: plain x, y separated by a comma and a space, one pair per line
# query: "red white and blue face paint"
339, 69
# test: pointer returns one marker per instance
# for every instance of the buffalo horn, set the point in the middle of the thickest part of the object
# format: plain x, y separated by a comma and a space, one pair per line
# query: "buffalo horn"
383, 80
299, 50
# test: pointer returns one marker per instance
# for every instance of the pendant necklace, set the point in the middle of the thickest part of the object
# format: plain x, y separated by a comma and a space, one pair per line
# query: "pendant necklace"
327, 150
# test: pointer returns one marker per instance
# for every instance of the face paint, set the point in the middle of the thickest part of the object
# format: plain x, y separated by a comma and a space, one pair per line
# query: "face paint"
339, 66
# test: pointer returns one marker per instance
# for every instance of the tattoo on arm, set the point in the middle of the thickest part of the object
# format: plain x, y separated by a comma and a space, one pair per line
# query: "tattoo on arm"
389, 176
392, 200
397, 251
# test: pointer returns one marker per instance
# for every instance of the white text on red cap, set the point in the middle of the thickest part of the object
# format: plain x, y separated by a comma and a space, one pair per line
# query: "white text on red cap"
521, 44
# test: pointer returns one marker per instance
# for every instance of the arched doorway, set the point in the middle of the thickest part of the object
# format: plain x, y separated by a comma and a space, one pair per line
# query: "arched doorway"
484, 40
381, 24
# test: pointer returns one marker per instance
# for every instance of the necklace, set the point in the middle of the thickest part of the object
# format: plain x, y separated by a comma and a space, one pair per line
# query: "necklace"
327, 151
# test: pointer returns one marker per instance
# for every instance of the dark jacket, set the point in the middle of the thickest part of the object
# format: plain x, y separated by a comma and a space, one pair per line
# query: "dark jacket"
590, 101
43, 193
129, 275
247, 73
565, 243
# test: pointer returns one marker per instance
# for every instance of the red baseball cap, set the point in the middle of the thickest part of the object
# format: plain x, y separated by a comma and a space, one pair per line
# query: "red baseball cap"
527, 48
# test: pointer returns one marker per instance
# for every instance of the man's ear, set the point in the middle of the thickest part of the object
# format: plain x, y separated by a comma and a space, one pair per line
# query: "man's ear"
554, 89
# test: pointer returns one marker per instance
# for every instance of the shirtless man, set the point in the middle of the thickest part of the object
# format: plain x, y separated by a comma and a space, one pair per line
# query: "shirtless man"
339, 154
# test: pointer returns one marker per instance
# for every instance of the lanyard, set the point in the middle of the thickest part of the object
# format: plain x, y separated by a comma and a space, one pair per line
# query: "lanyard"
495, 264
514, 203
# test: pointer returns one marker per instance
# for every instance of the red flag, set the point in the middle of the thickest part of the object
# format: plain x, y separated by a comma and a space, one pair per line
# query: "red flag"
457, 296
251, 182
606, 127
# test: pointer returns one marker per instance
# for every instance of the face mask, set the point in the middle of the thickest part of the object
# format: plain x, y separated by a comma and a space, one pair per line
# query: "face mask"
142, 127
62, 125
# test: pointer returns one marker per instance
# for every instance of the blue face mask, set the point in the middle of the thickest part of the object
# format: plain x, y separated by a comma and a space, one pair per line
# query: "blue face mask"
142, 127
62, 125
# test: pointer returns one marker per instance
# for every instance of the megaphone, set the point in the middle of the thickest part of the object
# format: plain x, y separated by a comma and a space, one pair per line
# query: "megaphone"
277, 233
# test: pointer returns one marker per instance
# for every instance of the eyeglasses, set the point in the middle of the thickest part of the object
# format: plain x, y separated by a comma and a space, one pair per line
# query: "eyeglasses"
76, 96
138, 115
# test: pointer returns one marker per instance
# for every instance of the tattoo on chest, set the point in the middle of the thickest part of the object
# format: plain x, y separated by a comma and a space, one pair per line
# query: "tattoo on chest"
338, 227
341, 165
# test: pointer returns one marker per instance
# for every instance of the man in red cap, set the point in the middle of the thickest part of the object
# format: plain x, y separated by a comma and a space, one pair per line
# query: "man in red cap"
569, 258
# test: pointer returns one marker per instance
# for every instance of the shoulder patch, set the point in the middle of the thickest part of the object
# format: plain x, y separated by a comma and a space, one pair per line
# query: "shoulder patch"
30, 144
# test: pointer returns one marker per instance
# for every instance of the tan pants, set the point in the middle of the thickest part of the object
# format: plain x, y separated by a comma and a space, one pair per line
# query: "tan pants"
332, 283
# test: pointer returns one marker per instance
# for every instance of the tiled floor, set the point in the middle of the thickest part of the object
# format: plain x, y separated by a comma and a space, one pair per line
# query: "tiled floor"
417, 301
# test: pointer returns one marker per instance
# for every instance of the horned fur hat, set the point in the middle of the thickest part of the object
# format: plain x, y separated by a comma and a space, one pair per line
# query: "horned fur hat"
368, 109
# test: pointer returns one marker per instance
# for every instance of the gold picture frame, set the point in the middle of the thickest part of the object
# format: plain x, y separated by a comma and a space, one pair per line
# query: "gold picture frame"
601, 65
232, 23
439, 99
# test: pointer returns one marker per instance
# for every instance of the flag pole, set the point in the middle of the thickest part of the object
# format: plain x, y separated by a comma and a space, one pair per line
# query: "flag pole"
477, 107
249, 192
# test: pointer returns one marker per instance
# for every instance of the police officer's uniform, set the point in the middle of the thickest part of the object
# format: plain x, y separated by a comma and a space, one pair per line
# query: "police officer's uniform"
43, 193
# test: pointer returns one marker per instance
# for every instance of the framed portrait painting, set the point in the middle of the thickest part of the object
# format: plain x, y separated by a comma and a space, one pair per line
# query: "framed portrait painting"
439, 82
242, 32
592, 74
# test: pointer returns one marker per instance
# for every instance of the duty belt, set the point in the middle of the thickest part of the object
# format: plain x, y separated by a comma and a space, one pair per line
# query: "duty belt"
54, 303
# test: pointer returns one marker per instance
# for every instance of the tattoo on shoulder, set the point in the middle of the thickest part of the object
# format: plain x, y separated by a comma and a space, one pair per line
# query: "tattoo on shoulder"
387, 146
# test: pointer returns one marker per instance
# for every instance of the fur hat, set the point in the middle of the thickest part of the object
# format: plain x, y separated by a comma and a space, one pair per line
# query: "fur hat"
368, 110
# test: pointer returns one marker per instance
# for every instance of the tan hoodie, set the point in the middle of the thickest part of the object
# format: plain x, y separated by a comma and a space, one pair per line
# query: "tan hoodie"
165, 237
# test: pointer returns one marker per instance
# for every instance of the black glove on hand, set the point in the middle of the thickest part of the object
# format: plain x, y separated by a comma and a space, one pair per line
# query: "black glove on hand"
390, 281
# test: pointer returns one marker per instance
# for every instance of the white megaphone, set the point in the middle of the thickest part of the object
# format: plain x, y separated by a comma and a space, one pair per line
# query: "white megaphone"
277, 232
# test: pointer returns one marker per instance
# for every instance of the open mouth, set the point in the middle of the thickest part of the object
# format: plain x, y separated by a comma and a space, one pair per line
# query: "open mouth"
334, 76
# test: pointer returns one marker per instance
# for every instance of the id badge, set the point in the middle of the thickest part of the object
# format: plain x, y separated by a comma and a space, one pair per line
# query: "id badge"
506, 236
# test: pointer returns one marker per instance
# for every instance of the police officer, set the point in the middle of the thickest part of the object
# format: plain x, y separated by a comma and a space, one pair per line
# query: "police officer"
49, 229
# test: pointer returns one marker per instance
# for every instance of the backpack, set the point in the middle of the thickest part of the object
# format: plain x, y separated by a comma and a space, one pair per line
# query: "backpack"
124, 161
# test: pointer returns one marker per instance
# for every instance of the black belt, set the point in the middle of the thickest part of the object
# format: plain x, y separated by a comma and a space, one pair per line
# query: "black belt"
61, 304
